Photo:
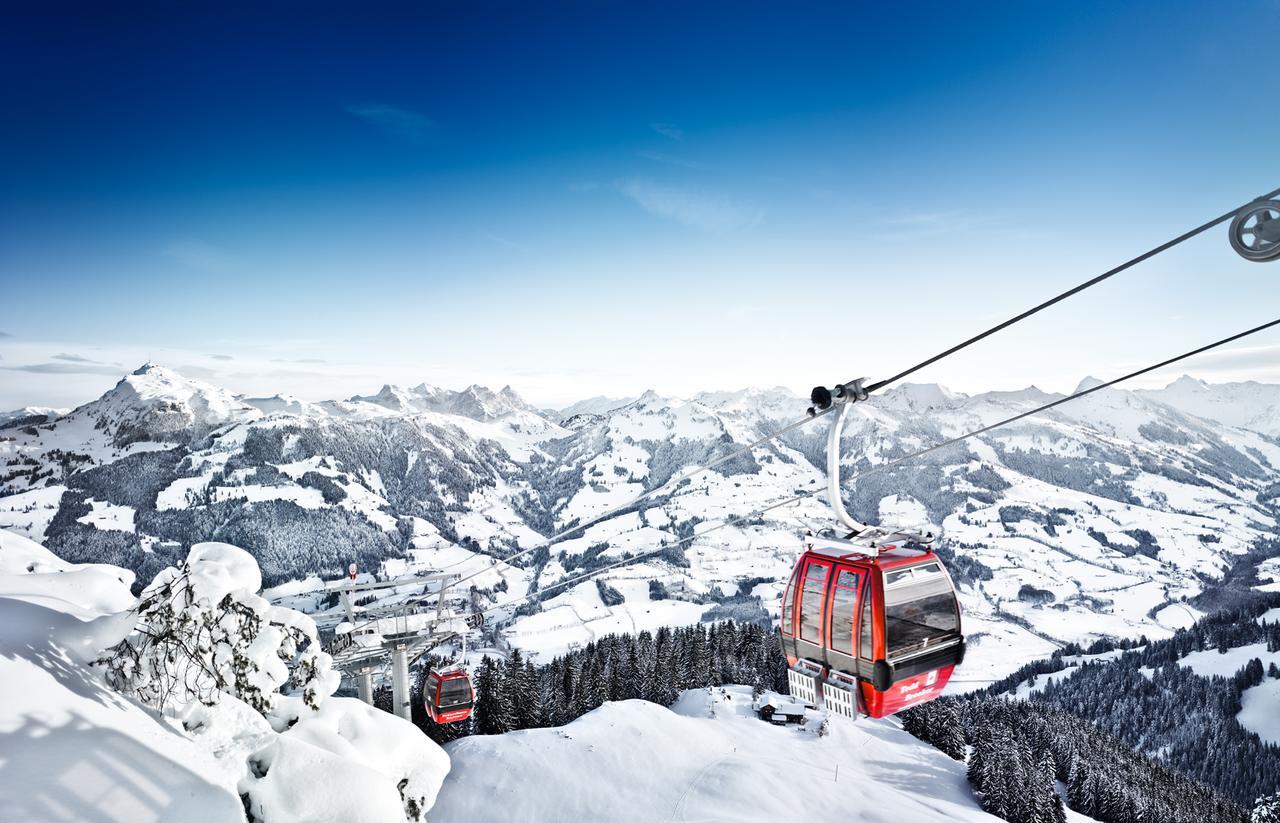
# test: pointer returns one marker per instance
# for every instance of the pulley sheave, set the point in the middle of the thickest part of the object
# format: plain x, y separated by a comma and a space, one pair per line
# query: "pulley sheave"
1255, 231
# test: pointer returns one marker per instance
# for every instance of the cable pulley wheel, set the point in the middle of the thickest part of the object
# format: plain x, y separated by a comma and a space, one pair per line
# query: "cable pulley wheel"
1255, 231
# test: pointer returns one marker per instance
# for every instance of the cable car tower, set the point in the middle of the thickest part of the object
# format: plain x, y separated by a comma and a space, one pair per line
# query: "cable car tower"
399, 632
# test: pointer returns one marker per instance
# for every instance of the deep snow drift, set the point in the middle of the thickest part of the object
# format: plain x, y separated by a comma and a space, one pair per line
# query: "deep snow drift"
70, 748
73, 749
706, 758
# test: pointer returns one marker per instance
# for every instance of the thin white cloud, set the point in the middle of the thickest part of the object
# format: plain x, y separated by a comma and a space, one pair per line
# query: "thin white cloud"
400, 122
668, 130
1243, 363
75, 358
68, 368
199, 372
503, 241
669, 159
201, 256
934, 224
697, 210
921, 219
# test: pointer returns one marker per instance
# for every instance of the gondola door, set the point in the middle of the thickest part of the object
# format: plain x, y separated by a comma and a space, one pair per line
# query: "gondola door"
811, 611
843, 620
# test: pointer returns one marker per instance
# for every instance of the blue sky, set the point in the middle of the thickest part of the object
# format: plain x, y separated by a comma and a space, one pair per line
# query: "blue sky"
595, 198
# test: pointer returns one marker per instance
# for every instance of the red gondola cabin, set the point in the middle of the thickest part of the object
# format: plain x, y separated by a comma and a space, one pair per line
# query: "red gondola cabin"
448, 696
870, 633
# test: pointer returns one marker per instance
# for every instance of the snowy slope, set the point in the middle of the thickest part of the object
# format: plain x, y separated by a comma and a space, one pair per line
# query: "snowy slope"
593, 405
28, 415
1249, 405
706, 758
1260, 710
73, 749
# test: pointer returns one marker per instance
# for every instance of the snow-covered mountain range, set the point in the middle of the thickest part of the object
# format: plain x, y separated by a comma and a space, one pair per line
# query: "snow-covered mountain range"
1103, 517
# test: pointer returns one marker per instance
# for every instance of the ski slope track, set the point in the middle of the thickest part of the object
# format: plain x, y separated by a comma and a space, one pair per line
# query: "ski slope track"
1103, 517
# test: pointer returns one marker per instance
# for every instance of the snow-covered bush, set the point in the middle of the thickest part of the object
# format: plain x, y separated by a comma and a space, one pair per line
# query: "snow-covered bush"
203, 631
346, 762
1266, 810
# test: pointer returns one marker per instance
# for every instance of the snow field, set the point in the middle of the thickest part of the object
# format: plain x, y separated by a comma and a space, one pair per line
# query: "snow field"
1212, 663
1268, 570
706, 758
30, 512
1260, 710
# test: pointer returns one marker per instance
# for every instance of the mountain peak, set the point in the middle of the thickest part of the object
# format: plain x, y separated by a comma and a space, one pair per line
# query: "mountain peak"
922, 396
1088, 383
156, 403
1188, 383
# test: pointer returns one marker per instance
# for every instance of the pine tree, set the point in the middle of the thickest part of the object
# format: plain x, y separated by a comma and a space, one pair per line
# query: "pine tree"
1047, 806
949, 737
532, 712
492, 711
629, 674
1019, 771
664, 682
521, 688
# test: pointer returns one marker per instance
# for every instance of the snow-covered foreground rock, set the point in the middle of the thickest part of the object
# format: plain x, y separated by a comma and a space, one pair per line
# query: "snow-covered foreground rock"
73, 749
706, 758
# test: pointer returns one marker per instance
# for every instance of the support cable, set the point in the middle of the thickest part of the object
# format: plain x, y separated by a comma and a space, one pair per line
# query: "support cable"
1147, 255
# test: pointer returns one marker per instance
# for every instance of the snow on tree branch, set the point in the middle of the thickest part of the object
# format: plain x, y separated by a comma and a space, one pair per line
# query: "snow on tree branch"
203, 631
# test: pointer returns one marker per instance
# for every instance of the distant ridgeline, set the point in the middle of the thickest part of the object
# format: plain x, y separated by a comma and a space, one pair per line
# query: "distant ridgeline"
1135, 737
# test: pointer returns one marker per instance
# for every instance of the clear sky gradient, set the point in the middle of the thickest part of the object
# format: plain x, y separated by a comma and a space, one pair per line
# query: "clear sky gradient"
599, 198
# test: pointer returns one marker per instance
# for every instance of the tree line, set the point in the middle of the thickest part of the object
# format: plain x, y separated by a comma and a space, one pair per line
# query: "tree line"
656, 666
1018, 752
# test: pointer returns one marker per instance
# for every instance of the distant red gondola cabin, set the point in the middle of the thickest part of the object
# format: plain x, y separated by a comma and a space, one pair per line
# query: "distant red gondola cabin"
448, 696
870, 633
